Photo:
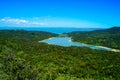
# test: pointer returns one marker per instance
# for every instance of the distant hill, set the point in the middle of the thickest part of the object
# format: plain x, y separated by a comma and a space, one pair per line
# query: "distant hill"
22, 35
57, 30
109, 37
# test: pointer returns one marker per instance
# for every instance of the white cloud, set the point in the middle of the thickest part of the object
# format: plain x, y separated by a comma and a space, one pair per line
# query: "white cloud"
14, 21
48, 22
19, 22
37, 23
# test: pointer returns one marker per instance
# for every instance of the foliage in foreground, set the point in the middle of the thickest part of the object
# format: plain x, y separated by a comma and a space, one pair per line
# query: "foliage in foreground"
38, 61
45, 62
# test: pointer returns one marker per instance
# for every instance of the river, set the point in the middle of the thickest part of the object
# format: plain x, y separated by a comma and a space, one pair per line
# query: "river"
66, 42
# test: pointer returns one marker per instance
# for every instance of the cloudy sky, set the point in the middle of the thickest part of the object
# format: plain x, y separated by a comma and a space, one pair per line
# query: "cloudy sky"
60, 13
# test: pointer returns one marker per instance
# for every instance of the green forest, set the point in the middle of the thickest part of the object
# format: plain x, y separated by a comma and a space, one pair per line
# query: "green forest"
108, 37
22, 57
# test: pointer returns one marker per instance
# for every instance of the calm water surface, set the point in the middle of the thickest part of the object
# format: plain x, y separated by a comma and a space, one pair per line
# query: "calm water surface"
66, 42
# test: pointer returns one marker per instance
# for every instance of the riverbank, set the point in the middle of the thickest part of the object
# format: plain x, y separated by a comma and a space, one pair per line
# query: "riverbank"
69, 42
46, 39
110, 49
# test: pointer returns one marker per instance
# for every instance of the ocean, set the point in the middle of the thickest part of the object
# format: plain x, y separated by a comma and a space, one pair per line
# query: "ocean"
52, 30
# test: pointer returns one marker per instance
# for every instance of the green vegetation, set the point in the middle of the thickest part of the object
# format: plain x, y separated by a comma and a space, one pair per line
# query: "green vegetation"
27, 36
109, 37
24, 58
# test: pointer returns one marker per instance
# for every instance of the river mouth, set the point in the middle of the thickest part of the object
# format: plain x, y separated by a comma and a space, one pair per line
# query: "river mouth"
67, 42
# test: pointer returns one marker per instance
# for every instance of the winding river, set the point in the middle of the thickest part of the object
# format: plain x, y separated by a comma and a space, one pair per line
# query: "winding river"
66, 42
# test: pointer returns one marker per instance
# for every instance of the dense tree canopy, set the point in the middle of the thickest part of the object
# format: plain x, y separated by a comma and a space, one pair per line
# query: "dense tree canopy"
22, 57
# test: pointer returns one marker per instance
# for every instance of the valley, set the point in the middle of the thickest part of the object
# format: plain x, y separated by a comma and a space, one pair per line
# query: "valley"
22, 57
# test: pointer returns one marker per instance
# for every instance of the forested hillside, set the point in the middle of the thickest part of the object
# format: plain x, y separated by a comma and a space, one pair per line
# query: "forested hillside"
22, 35
109, 37
24, 58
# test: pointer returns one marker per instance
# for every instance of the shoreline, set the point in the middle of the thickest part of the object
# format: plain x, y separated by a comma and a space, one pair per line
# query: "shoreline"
46, 39
110, 49
107, 48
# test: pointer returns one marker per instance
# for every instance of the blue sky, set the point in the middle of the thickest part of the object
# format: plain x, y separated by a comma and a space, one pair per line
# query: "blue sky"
60, 13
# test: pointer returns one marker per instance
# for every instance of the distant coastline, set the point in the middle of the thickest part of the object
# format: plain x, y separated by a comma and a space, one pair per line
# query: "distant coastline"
58, 30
